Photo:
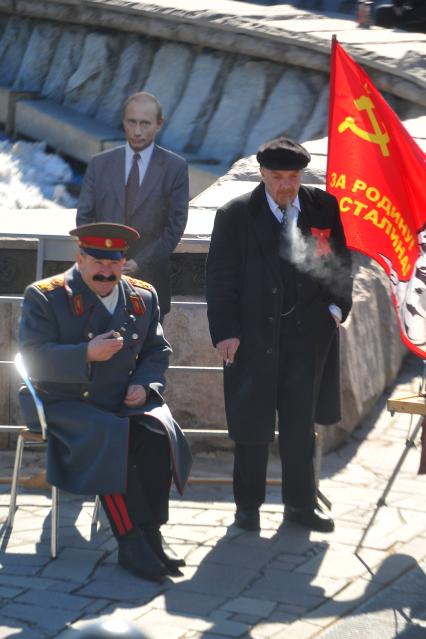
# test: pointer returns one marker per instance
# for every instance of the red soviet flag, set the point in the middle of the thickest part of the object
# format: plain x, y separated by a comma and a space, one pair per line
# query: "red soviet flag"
378, 174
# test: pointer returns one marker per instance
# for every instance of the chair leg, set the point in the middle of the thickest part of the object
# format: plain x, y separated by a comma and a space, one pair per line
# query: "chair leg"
95, 515
54, 522
14, 487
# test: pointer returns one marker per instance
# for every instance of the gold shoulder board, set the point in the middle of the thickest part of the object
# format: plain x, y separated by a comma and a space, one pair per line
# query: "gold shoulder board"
140, 283
50, 283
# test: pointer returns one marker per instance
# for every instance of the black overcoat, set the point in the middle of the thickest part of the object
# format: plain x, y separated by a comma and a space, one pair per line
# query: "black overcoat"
244, 298
88, 422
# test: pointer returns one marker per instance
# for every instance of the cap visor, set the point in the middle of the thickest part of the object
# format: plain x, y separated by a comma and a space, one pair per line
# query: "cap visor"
101, 254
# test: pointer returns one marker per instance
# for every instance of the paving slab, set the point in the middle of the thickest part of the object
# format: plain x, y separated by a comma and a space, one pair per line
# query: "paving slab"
280, 582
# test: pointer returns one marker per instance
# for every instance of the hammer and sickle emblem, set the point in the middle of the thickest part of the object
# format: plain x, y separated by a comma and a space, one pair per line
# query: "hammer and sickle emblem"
378, 137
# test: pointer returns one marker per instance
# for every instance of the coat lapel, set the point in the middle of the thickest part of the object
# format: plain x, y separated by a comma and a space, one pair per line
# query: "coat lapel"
152, 177
80, 297
117, 176
120, 317
85, 304
304, 219
259, 209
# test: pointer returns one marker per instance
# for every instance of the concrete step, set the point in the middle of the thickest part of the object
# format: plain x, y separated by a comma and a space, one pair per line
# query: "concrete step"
8, 99
63, 128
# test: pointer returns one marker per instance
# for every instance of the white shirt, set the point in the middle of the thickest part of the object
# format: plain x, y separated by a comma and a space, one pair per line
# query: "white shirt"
110, 301
292, 210
292, 213
144, 158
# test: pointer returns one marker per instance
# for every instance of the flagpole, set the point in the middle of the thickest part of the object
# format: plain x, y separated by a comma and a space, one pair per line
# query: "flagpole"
331, 97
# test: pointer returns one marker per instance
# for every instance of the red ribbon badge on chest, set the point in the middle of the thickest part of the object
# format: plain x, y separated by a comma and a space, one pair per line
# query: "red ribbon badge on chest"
322, 245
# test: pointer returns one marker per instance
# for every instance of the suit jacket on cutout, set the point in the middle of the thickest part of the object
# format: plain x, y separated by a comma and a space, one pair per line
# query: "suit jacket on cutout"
159, 214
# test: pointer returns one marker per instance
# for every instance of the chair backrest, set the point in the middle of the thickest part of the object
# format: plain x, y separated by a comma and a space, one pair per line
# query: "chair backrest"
20, 367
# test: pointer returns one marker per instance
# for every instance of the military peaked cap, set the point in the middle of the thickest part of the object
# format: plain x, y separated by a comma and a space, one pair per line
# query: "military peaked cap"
105, 240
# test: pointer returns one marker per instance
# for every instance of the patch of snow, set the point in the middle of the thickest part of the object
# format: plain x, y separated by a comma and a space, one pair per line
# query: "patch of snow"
30, 178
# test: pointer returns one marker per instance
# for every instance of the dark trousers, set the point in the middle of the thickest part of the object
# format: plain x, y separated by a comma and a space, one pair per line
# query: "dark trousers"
301, 364
146, 500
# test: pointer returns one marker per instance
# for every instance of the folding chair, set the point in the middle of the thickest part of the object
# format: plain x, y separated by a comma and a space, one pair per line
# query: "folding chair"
27, 436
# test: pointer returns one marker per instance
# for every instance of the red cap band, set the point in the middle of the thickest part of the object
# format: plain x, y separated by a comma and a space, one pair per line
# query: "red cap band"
106, 243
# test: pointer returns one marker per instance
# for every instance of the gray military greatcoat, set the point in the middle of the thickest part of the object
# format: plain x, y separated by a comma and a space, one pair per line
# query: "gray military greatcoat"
88, 422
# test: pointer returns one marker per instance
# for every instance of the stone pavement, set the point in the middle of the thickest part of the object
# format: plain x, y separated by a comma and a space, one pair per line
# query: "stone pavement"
282, 582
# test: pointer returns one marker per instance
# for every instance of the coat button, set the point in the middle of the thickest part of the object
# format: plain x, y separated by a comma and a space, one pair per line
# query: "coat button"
90, 335
130, 372
135, 336
274, 291
269, 351
86, 394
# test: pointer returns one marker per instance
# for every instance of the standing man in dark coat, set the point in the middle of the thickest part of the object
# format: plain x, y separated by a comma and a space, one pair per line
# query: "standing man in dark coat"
142, 185
409, 15
278, 286
94, 348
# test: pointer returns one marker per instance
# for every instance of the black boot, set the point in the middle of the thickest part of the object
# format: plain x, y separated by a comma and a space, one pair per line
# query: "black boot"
154, 538
247, 519
313, 518
136, 556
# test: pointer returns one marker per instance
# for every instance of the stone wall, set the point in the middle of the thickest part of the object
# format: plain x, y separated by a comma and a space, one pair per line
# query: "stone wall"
249, 93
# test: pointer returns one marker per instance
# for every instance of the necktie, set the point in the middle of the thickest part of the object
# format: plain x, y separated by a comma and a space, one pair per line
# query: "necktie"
132, 187
284, 237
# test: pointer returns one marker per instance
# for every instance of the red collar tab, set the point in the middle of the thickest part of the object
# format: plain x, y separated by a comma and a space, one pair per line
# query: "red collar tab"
138, 304
78, 304
75, 301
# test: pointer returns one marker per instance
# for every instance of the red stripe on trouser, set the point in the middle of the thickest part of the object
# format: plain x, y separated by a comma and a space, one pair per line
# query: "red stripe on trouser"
119, 502
115, 515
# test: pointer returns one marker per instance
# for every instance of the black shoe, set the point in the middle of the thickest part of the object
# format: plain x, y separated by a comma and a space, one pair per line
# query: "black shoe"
247, 519
313, 518
135, 555
154, 539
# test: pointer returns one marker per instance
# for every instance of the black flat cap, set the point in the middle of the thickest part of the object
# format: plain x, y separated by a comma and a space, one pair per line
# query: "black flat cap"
283, 154
105, 240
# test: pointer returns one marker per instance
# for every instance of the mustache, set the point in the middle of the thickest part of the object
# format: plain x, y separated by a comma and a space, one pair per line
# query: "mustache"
101, 278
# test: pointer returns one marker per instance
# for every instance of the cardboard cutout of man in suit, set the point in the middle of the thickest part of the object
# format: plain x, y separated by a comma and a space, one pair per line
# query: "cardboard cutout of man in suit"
278, 285
145, 186
95, 350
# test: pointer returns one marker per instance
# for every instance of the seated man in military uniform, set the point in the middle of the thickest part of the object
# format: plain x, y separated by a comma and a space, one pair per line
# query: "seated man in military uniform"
94, 347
